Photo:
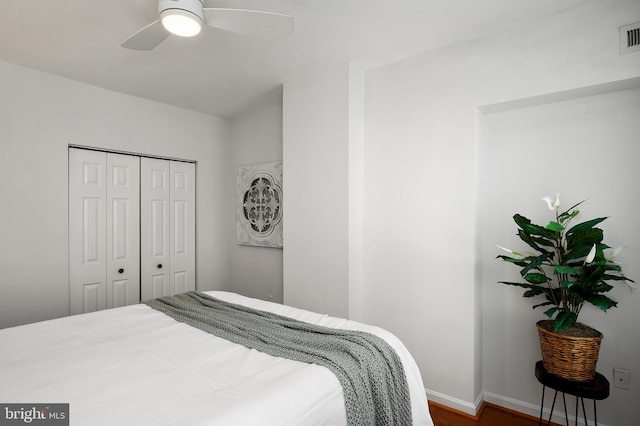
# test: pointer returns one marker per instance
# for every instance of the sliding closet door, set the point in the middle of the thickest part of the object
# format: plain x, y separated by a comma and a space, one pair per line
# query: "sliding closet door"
87, 231
167, 217
183, 219
123, 230
154, 228
104, 251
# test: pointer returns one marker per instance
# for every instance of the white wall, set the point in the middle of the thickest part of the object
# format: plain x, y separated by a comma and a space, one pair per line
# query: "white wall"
427, 255
356, 192
586, 149
256, 137
422, 156
316, 179
40, 115
323, 147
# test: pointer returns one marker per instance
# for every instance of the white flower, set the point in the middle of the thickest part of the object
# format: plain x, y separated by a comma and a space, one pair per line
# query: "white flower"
616, 252
515, 253
552, 204
591, 255
506, 249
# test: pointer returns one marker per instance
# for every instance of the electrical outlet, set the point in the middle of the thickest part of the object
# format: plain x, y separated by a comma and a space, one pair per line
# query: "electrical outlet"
621, 378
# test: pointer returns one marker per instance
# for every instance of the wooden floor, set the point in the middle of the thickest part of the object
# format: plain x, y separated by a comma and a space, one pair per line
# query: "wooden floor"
490, 415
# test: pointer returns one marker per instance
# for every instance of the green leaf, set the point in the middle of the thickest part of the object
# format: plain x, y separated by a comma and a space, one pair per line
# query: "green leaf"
601, 301
547, 303
564, 269
545, 242
550, 312
607, 277
554, 226
585, 225
519, 262
529, 240
567, 284
535, 278
564, 319
536, 263
534, 242
568, 215
523, 285
609, 266
533, 229
534, 291
577, 250
580, 243
602, 288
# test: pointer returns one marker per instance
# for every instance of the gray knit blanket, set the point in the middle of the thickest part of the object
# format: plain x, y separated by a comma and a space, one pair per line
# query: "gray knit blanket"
370, 372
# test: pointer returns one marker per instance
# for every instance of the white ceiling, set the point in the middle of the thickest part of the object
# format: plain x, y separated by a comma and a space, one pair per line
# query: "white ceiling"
220, 73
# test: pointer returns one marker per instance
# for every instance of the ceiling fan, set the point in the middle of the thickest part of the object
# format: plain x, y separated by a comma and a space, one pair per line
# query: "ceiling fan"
186, 17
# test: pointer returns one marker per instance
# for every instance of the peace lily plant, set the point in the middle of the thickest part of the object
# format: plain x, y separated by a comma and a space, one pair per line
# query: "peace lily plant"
569, 266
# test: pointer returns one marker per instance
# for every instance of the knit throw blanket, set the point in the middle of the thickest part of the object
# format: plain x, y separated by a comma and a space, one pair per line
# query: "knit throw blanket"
370, 372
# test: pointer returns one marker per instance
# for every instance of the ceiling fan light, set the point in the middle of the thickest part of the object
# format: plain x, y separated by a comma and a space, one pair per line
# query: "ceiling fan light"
181, 22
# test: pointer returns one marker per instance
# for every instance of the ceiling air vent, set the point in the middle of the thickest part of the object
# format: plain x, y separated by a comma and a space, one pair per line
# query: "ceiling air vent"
630, 38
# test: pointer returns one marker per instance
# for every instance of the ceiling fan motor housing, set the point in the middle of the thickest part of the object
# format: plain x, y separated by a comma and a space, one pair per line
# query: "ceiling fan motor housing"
194, 7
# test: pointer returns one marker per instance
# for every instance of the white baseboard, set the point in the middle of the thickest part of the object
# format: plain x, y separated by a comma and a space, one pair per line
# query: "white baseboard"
532, 409
506, 402
455, 403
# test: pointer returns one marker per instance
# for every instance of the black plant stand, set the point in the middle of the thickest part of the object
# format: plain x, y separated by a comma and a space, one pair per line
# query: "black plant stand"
596, 389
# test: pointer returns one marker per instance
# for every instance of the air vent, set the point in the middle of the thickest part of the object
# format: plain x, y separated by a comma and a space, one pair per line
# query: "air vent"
630, 38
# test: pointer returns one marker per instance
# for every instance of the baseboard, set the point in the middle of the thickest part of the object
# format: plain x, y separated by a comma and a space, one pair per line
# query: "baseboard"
473, 411
484, 405
515, 413
443, 407
456, 404
514, 404
531, 410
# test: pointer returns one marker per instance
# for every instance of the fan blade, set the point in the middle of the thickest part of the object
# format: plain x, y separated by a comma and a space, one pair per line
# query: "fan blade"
250, 22
147, 38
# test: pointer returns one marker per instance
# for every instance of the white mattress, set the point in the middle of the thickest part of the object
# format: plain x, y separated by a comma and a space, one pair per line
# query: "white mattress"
137, 366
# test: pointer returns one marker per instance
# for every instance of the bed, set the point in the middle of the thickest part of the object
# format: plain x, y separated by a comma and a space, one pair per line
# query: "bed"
136, 365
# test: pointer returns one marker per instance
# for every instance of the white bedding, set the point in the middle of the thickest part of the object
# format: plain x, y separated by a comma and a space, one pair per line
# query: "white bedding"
137, 366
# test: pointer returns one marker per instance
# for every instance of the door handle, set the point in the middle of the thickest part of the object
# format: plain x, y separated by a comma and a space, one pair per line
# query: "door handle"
159, 265
120, 270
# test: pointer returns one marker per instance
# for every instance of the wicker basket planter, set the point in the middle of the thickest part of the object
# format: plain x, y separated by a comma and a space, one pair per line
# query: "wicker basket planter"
569, 357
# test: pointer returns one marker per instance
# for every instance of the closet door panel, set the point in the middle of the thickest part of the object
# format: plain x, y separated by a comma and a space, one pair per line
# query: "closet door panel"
87, 231
155, 228
123, 230
131, 229
183, 195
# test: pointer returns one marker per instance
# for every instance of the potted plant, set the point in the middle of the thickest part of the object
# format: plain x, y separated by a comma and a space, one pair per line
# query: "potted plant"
567, 268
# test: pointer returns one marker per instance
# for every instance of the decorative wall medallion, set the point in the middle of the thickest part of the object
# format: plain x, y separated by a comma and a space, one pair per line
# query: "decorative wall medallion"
259, 204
